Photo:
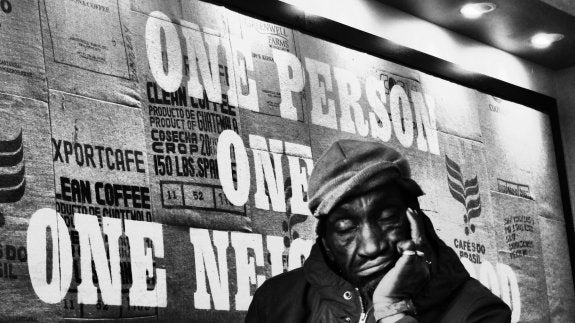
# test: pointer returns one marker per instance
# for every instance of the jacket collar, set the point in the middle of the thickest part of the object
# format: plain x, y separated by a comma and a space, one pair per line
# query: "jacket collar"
319, 273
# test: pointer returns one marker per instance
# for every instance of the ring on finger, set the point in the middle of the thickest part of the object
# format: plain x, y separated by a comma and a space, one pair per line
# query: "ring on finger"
409, 253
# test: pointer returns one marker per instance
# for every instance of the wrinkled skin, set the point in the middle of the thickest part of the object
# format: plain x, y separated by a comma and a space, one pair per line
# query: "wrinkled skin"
365, 238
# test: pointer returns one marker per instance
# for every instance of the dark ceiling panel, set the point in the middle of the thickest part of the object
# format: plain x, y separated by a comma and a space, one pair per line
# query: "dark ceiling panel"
508, 28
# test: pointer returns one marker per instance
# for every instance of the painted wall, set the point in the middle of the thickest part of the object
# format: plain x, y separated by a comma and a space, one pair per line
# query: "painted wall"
389, 23
121, 198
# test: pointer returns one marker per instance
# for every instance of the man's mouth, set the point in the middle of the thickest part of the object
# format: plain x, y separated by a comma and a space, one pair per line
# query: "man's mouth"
372, 268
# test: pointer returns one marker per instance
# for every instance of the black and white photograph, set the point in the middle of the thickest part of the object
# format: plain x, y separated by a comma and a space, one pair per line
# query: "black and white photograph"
287, 161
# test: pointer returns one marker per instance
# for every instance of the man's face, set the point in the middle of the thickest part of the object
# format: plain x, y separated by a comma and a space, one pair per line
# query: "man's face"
361, 234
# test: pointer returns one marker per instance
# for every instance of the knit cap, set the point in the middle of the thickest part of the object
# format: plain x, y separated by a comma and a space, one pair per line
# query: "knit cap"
355, 167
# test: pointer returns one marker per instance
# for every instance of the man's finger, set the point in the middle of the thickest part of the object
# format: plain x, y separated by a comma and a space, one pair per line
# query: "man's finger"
406, 245
411, 262
414, 223
406, 260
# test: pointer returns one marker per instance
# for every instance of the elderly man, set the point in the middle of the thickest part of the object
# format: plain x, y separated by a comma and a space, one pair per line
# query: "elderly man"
377, 257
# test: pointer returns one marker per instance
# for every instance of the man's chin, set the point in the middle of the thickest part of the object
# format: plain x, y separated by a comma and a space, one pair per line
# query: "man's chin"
369, 282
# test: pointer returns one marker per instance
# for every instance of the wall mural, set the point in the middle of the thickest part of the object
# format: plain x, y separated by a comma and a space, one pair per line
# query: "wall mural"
154, 158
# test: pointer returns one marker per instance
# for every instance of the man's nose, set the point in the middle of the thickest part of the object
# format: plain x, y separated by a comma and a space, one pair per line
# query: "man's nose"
371, 242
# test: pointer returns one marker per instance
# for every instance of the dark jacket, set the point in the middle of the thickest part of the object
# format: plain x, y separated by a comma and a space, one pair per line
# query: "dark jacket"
315, 293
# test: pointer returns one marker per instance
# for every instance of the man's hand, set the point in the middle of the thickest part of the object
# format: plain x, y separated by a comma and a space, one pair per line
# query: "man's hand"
411, 272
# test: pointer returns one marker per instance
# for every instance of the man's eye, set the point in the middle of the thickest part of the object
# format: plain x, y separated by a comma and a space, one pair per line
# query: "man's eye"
390, 216
344, 226
391, 212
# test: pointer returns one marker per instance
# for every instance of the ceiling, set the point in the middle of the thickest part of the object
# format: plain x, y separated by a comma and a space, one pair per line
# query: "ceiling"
509, 27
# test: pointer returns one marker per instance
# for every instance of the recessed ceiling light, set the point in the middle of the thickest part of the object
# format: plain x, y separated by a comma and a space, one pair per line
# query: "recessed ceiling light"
544, 40
476, 10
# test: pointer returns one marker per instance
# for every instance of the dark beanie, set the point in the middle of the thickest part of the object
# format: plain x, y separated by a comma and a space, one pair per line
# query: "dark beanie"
354, 167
